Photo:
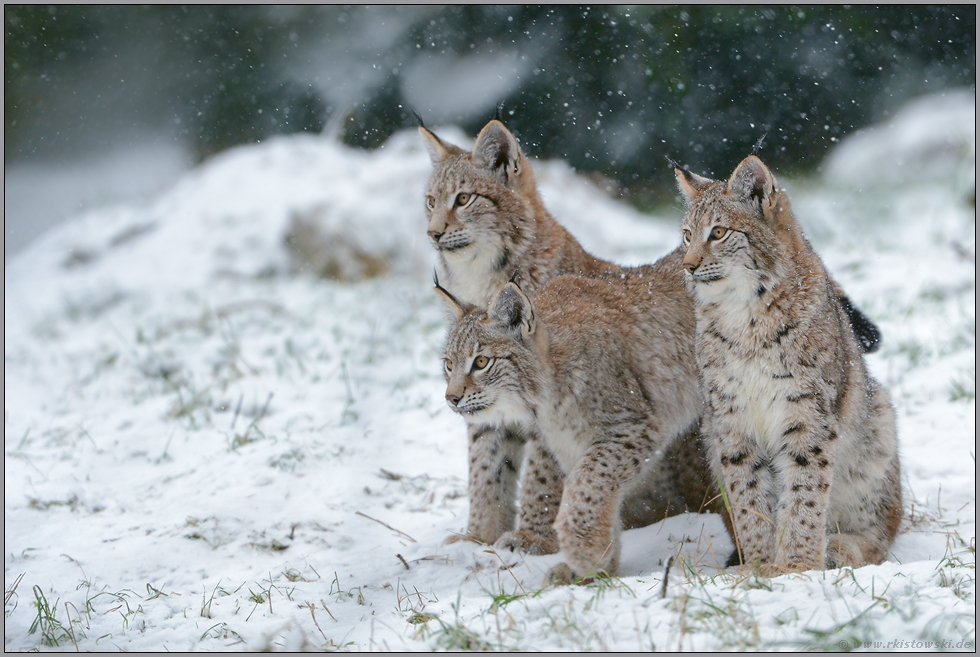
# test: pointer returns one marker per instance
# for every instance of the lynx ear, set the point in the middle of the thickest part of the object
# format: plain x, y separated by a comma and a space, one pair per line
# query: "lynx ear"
438, 149
753, 182
513, 309
690, 185
496, 147
453, 307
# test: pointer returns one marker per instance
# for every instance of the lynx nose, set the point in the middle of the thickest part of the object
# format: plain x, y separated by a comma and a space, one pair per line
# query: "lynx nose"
452, 399
691, 263
435, 235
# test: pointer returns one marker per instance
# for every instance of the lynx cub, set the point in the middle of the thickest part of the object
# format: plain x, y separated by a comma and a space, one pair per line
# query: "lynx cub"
801, 436
600, 369
486, 222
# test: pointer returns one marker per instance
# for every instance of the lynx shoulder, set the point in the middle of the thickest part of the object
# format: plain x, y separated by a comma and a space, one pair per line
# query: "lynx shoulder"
801, 436
600, 369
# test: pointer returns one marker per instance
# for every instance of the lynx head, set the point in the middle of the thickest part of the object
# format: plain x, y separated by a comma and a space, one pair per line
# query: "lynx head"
492, 370
734, 231
480, 201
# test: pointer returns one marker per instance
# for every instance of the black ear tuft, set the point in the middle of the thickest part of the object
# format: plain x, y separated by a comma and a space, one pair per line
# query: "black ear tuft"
758, 144
418, 117
499, 116
455, 309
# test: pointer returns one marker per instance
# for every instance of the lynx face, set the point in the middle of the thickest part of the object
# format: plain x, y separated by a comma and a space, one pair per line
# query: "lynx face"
491, 373
476, 199
462, 212
731, 237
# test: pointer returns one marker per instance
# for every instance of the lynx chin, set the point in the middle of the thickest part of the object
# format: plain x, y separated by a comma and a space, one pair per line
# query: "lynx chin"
801, 436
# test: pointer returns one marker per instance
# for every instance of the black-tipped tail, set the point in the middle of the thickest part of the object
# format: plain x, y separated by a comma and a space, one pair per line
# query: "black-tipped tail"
867, 332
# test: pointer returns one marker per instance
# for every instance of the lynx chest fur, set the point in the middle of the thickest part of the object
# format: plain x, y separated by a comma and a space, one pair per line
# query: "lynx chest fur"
801, 436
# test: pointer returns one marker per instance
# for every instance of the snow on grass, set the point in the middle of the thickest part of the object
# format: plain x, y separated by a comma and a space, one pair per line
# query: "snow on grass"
209, 448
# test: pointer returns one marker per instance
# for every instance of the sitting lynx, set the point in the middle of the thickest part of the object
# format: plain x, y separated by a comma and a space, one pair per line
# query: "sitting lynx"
799, 433
487, 222
600, 369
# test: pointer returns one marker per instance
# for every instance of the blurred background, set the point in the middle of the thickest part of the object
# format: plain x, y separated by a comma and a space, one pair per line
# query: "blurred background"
107, 103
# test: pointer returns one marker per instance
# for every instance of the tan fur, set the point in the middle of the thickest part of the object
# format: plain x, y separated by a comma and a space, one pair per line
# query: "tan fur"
600, 370
500, 227
802, 437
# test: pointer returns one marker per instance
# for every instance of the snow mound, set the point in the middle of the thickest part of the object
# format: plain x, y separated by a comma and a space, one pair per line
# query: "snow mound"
929, 138
207, 447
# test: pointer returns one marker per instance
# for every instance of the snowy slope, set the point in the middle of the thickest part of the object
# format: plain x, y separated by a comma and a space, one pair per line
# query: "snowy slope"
209, 448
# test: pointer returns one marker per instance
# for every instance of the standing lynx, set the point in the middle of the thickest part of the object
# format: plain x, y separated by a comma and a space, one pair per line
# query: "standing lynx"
487, 222
600, 370
799, 433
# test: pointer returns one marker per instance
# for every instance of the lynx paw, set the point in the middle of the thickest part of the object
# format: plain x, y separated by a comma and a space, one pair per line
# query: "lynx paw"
769, 570
456, 538
527, 542
563, 575
560, 575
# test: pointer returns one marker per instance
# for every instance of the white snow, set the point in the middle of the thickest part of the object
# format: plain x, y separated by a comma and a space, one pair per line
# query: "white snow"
208, 448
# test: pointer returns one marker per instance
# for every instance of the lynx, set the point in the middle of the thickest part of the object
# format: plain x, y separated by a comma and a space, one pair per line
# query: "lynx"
600, 370
487, 222
801, 436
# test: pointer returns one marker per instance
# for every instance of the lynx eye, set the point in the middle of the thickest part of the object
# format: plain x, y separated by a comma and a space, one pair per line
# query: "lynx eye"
448, 364
430, 203
462, 199
718, 232
687, 236
480, 362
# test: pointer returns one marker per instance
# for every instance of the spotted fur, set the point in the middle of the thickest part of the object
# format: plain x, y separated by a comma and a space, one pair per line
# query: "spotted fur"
488, 225
600, 370
802, 437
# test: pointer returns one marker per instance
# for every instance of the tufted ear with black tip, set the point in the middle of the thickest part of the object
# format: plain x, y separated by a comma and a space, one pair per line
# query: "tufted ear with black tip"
752, 182
438, 149
496, 149
453, 309
513, 310
690, 185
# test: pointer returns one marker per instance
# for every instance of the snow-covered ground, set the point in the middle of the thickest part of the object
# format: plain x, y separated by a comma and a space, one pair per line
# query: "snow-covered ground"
206, 447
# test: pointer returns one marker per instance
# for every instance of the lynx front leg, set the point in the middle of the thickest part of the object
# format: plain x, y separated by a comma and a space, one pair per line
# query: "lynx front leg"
541, 491
588, 523
805, 463
495, 457
747, 482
